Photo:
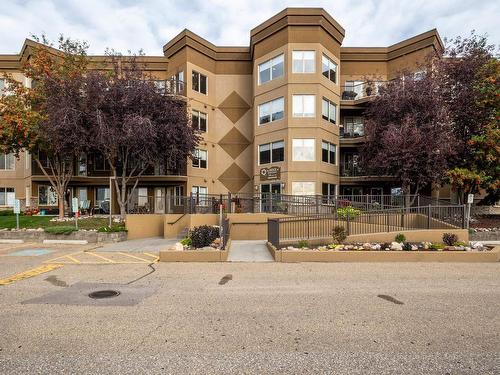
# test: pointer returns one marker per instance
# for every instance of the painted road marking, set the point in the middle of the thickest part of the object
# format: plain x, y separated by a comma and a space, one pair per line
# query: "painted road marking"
92, 257
30, 273
30, 253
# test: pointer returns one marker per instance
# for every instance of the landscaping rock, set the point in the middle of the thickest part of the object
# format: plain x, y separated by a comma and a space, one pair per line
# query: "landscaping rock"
377, 247
396, 246
414, 247
367, 246
178, 246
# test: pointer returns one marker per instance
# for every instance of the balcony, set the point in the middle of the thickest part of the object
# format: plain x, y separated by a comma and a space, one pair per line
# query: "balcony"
351, 170
356, 90
352, 131
171, 86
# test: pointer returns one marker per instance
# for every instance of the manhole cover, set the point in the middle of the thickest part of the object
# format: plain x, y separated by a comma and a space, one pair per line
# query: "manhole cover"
104, 294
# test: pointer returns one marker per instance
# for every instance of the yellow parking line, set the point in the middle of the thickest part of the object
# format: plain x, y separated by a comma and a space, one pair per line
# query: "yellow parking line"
54, 260
156, 257
99, 256
29, 273
133, 256
73, 259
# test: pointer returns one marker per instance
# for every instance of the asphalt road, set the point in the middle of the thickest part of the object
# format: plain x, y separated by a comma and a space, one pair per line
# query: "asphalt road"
253, 318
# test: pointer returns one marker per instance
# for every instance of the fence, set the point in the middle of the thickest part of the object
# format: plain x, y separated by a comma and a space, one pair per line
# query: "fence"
390, 220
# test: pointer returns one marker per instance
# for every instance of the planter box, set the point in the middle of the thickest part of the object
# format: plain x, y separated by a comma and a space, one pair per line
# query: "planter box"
292, 256
172, 255
40, 236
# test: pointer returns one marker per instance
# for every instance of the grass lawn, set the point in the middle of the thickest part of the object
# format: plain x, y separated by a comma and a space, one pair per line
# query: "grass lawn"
35, 222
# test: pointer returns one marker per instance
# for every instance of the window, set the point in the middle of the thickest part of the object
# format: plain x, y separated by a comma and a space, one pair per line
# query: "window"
100, 163
199, 120
47, 196
327, 189
7, 162
82, 165
7, 196
272, 152
329, 69
142, 196
303, 61
82, 194
160, 85
303, 105
328, 152
101, 195
178, 194
353, 90
199, 82
176, 83
329, 111
303, 188
200, 159
353, 127
303, 149
200, 195
271, 69
271, 111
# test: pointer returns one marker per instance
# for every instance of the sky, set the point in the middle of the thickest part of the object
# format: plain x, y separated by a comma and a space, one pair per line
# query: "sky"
126, 25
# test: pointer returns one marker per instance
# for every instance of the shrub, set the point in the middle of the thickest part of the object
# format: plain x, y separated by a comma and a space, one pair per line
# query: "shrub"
348, 213
203, 236
6, 212
436, 246
460, 243
113, 229
186, 241
400, 237
63, 229
339, 234
449, 239
303, 243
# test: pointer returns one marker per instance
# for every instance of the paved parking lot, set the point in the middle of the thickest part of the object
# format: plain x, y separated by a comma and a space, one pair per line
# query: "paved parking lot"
249, 318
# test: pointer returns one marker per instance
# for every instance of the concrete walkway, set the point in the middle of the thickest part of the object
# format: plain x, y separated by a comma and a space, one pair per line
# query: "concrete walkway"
249, 251
150, 245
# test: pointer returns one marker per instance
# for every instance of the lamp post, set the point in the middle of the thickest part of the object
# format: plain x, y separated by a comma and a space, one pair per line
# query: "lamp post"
111, 178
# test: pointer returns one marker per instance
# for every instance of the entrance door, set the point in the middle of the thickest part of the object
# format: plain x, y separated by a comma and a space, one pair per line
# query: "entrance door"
159, 200
270, 194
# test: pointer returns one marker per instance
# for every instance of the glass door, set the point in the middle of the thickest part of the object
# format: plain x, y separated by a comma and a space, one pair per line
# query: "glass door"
270, 197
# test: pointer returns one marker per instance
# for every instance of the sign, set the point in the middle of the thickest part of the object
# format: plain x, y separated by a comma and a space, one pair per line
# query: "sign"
270, 174
470, 198
74, 204
17, 206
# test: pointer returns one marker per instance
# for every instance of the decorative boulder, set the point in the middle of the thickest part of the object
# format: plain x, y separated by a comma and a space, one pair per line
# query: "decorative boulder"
178, 246
396, 246
414, 247
367, 246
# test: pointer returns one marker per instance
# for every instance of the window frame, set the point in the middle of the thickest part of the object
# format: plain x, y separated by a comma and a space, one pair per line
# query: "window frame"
193, 73
329, 189
199, 120
303, 60
9, 161
5, 190
302, 192
49, 188
329, 151
270, 61
303, 114
313, 149
271, 103
195, 157
329, 61
271, 149
330, 104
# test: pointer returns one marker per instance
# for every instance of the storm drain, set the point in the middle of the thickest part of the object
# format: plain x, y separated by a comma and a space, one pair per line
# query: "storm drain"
100, 294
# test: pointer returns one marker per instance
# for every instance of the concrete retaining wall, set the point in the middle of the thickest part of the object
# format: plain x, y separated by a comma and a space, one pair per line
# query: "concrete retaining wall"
485, 236
144, 226
40, 236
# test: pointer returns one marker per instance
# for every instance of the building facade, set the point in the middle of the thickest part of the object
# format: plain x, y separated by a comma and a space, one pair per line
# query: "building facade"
282, 115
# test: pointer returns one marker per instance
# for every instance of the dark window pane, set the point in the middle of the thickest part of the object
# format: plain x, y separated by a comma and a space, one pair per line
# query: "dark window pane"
332, 156
265, 75
203, 84
265, 157
277, 70
278, 115
203, 163
203, 123
333, 76
195, 119
278, 154
264, 119
195, 77
265, 188
324, 155
324, 189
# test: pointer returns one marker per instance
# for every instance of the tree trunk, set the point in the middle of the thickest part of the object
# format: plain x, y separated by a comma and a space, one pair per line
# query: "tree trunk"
60, 201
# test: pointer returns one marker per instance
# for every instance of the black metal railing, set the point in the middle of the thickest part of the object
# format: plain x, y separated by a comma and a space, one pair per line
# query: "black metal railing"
291, 229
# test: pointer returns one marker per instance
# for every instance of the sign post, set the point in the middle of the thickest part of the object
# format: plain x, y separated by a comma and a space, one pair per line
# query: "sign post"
74, 208
470, 200
17, 211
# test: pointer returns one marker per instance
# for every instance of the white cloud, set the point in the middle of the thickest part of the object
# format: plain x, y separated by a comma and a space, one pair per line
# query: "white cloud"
131, 25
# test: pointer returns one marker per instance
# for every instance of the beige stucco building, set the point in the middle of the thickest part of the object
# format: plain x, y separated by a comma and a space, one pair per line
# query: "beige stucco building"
283, 114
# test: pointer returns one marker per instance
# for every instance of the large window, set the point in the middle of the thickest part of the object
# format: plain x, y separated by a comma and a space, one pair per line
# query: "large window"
200, 195
176, 83
329, 111
272, 152
7, 162
303, 188
101, 195
271, 69
353, 127
271, 111
303, 149
329, 69
199, 120
199, 82
47, 196
100, 163
328, 189
303, 105
303, 61
178, 194
7, 196
328, 152
200, 159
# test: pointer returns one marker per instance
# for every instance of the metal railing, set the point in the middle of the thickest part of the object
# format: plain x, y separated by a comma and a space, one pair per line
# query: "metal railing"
361, 90
290, 229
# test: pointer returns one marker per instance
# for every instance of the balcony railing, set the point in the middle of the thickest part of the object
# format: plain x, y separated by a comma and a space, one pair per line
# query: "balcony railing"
361, 90
351, 170
352, 131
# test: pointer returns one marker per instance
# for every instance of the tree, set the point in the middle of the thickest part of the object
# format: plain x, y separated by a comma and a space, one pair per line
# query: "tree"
468, 78
48, 119
408, 131
137, 126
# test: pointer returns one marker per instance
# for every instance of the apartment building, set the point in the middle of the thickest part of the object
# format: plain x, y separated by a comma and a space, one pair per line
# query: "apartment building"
283, 114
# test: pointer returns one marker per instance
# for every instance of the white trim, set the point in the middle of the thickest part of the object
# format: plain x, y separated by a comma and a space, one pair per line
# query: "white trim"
303, 62
271, 78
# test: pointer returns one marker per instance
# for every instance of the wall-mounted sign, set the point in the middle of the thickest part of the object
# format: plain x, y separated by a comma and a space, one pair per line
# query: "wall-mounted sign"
270, 174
